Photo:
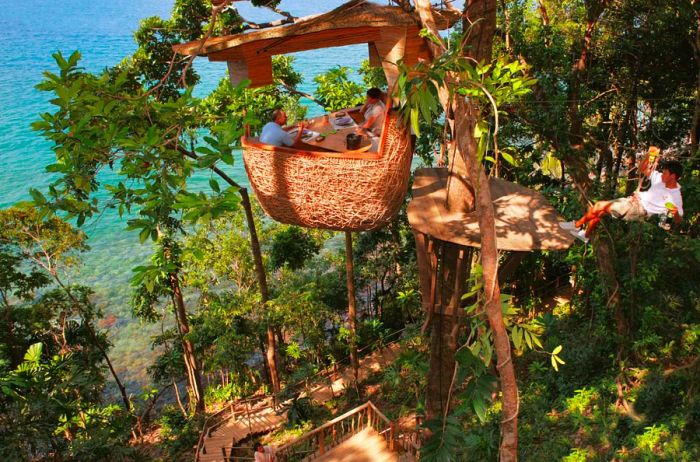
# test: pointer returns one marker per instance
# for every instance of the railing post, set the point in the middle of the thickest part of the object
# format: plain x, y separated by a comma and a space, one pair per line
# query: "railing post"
391, 436
247, 410
223, 453
321, 443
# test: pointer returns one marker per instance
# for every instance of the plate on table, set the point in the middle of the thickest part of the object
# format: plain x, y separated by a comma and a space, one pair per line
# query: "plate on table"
304, 136
343, 121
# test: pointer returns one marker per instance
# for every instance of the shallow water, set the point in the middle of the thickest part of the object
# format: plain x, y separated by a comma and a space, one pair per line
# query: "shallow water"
102, 31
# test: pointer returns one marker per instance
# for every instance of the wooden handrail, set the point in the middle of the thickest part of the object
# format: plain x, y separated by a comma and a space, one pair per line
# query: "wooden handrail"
326, 425
213, 421
379, 413
374, 418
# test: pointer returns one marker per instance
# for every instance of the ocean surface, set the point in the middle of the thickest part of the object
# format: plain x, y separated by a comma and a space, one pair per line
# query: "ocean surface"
102, 30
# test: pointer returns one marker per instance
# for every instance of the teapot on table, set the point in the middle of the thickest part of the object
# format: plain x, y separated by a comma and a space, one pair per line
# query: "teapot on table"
352, 141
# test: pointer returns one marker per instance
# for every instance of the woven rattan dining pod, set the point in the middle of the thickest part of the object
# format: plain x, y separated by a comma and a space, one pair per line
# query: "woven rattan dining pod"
350, 191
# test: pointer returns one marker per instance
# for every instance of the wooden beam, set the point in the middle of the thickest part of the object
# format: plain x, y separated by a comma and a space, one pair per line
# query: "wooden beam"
291, 44
390, 46
258, 69
374, 59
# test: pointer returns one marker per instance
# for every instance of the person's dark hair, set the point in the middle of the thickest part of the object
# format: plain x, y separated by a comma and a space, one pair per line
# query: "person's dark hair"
257, 445
275, 114
375, 93
674, 167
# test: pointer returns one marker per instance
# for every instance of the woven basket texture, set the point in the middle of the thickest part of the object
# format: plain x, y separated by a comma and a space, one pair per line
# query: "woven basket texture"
349, 193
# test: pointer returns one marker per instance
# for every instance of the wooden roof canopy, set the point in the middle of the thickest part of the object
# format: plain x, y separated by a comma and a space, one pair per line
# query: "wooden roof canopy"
390, 32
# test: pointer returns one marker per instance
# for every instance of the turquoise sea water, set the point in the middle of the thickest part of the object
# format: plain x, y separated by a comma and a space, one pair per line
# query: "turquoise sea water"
102, 31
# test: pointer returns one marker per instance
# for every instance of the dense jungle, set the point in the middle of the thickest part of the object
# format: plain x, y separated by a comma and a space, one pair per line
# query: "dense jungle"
562, 97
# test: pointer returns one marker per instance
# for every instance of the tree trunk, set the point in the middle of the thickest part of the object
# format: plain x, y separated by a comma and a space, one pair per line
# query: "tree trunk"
271, 353
695, 128
443, 268
191, 364
482, 15
178, 399
604, 248
489, 262
352, 310
97, 342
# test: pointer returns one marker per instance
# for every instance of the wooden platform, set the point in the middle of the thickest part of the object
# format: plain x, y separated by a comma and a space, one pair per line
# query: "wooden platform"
525, 220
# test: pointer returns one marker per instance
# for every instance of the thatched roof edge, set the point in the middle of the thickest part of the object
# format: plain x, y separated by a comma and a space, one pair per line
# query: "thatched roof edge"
355, 13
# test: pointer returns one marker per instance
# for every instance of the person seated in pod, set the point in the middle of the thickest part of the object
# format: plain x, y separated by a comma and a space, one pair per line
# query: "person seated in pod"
273, 133
373, 112
662, 198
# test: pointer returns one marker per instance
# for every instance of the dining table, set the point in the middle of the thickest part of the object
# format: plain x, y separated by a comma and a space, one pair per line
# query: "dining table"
329, 132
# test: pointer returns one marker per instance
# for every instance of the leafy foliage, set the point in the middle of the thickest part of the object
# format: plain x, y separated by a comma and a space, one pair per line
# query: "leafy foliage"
337, 91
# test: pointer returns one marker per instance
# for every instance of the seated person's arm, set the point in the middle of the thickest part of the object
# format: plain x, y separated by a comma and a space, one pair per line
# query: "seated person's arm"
300, 132
369, 122
645, 167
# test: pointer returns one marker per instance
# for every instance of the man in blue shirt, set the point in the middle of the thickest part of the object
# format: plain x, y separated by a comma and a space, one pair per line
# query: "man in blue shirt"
273, 134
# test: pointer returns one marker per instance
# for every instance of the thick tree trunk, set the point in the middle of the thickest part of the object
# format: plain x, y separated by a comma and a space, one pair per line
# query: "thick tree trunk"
481, 14
352, 310
443, 268
695, 128
194, 377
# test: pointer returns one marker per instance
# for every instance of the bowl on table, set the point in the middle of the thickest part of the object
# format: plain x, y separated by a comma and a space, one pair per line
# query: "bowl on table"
344, 120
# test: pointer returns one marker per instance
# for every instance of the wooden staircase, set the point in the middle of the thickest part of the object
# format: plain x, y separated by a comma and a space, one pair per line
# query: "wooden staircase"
259, 415
365, 446
363, 434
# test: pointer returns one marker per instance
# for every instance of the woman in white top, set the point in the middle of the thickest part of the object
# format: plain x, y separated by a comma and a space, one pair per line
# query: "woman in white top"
373, 111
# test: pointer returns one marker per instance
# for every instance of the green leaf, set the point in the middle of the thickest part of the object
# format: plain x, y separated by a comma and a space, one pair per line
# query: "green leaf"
414, 121
33, 354
554, 363
508, 158
143, 235
517, 337
37, 196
